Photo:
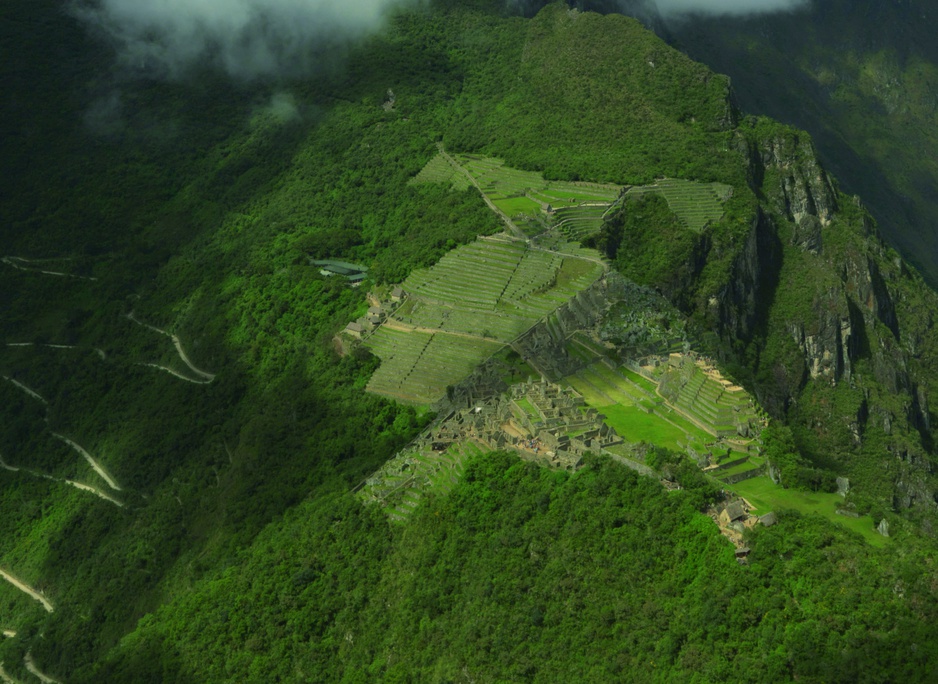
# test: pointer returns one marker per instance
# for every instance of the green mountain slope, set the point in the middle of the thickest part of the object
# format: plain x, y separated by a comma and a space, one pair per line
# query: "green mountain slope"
861, 78
522, 574
160, 311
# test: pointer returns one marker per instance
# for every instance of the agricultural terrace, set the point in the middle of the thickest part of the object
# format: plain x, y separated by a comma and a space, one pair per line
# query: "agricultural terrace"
465, 308
693, 409
581, 221
714, 403
534, 204
530, 202
400, 484
441, 170
695, 204
632, 407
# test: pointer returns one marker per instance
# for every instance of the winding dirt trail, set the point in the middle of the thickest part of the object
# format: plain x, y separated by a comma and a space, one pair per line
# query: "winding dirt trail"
175, 373
15, 261
35, 395
36, 672
94, 490
25, 588
97, 350
207, 377
6, 678
7, 466
78, 485
98, 468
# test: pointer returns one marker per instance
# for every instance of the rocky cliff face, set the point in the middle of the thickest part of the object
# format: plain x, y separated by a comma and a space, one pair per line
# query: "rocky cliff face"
785, 170
804, 193
830, 345
814, 272
742, 302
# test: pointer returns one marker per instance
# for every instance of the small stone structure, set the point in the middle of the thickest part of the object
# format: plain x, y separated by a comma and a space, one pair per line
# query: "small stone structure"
353, 273
733, 518
381, 305
354, 329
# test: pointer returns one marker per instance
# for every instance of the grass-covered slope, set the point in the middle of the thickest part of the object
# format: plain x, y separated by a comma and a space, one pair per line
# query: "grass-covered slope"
583, 97
465, 308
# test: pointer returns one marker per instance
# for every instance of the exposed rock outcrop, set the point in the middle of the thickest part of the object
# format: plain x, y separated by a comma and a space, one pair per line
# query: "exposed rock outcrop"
830, 344
847, 312
744, 299
806, 193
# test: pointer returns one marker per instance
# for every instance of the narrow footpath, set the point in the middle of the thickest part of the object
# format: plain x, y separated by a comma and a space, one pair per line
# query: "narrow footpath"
35, 671
25, 588
206, 376
98, 468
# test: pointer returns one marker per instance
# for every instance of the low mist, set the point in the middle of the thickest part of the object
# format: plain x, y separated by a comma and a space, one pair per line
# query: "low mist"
677, 8
667, 9
247, 39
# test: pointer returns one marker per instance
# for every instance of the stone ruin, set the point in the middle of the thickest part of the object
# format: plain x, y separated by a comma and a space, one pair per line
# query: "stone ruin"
381, 303
545, 344
558, 434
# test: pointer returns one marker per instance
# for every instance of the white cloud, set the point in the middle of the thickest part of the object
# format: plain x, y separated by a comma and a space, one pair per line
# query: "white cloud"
670, 8
245, 38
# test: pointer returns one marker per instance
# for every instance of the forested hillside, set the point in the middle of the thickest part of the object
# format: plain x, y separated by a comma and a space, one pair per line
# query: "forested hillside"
180, 439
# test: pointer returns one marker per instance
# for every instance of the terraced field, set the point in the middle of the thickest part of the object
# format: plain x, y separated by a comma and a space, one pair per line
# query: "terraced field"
581, 221
440, 170
576, 209
638, 413
714, 405
634, 410
406, 479
417, 368
526, 197
462, 310
695, 204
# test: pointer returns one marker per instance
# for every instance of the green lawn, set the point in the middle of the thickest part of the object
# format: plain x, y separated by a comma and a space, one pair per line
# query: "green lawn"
639, 380
696, 432
517, 205
528, 407
634, 425
766, 496
590, 395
